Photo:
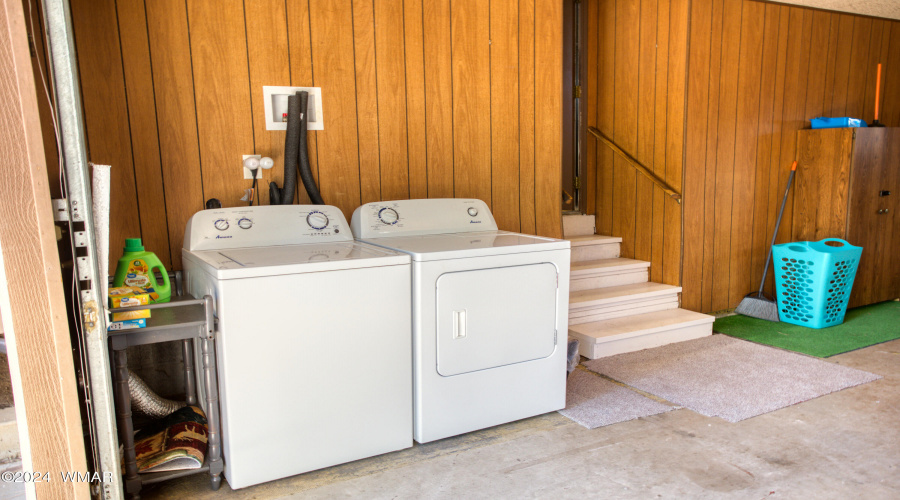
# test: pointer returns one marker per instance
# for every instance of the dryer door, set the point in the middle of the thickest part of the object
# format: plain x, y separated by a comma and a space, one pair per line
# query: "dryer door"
494, 317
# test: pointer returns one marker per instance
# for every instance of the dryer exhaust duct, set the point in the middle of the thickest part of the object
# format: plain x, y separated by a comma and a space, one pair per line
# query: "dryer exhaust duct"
145, 401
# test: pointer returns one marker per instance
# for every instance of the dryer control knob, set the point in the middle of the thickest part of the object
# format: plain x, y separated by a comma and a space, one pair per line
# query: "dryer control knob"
389, 216
221, 224
317, 220
245, 223
473, 211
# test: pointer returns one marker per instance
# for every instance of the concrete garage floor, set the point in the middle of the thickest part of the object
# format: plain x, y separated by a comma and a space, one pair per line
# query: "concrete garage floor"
843, 445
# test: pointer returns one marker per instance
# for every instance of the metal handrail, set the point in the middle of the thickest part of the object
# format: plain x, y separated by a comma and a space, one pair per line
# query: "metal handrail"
675, 195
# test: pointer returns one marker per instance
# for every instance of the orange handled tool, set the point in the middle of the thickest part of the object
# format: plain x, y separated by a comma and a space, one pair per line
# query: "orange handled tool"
877, 96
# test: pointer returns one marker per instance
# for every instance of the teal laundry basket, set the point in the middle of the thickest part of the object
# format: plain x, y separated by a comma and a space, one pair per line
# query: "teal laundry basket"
813, 280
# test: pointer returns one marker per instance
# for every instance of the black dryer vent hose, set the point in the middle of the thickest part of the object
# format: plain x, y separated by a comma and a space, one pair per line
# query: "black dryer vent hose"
291, 150
305, 172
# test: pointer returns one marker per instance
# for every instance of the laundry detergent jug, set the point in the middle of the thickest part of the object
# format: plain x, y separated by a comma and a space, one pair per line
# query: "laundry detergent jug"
136, 268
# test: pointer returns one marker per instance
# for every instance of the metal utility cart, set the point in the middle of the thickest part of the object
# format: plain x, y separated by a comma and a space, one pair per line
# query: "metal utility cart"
187, 319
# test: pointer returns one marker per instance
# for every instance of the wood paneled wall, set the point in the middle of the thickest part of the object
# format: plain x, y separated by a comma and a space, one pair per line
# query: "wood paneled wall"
636, 67
756, 73
759, 72
421, 98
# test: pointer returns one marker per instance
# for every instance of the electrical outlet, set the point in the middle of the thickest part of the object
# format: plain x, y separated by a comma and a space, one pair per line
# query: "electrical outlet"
275, 102
247, 173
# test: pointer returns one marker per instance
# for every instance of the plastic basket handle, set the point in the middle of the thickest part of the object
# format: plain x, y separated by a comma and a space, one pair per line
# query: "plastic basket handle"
823, 246
838, 240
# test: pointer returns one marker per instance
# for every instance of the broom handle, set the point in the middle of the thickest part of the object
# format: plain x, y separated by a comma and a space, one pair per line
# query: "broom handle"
762, 282
877, 90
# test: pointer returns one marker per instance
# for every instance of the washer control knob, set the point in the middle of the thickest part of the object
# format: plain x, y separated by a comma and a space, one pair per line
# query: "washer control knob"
389, 216
245, 223
221, 224
317, 220
473, 211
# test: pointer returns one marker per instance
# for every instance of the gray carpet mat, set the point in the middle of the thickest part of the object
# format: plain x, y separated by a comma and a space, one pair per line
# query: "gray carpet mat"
594, 402
720, 376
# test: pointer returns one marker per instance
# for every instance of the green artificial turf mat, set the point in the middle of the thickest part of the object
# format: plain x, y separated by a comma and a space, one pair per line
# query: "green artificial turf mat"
862, 327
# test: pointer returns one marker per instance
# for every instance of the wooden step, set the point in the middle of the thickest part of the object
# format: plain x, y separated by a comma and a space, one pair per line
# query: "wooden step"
578, 225
594, 247
623, 309
607, 272
586, 306
616, 336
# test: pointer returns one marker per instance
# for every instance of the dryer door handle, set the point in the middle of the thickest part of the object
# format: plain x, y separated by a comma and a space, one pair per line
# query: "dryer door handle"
459, 324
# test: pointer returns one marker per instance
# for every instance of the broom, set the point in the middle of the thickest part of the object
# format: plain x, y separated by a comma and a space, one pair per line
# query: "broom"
756, 304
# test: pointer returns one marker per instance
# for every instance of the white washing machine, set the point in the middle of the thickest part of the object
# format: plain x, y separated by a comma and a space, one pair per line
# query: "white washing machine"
490, 313
313, 343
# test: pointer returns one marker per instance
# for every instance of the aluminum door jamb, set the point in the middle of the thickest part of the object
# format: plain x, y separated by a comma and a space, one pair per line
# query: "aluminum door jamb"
93, 336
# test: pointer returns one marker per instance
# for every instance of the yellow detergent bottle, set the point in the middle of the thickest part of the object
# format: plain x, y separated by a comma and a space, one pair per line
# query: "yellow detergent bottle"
136, 268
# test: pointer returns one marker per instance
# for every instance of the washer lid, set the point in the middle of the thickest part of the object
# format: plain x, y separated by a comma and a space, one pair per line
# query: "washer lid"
235, 263
465, 245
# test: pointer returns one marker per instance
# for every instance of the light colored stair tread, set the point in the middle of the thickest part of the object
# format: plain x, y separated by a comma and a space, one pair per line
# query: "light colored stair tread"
618, 263
641, 324
594, 239
578, 225
583, 298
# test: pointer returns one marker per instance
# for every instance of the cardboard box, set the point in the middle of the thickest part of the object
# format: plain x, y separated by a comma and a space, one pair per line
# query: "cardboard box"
128, 324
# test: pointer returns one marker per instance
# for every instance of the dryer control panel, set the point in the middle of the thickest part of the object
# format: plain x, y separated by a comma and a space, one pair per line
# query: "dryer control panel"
416, 217
264, 226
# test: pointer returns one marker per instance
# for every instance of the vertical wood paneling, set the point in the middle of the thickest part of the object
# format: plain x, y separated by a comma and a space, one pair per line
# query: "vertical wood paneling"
892, 74
439, 98
590, 76
418, 102
745, 148
874, 42
142, 123
266, 70
548, 126
414, 44
839, 95
725, 150
712, 117
640, 64
333, 62
626, 126
300, 62
695, 147
173, 85
660, 138
758, 72
606, 107
526, 117
470, 39
504, 56
390, 68
646, 116
768, 103
859, 63
106, 112
219, 62
366, 100
675, 119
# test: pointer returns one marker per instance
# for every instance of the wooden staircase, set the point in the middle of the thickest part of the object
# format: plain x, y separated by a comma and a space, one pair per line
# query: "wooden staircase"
613, 307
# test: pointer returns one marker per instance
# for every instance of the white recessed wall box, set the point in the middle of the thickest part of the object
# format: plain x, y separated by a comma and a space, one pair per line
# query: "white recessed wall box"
275, 100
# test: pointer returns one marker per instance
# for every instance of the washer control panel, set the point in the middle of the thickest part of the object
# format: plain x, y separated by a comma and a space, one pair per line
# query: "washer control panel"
266, 225
417, 217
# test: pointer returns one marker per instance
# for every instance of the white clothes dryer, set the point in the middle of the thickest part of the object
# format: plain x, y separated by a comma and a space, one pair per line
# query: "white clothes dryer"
313, 343
490, 313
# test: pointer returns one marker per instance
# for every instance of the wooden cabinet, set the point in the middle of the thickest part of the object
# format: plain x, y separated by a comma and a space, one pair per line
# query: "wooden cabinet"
848, 186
